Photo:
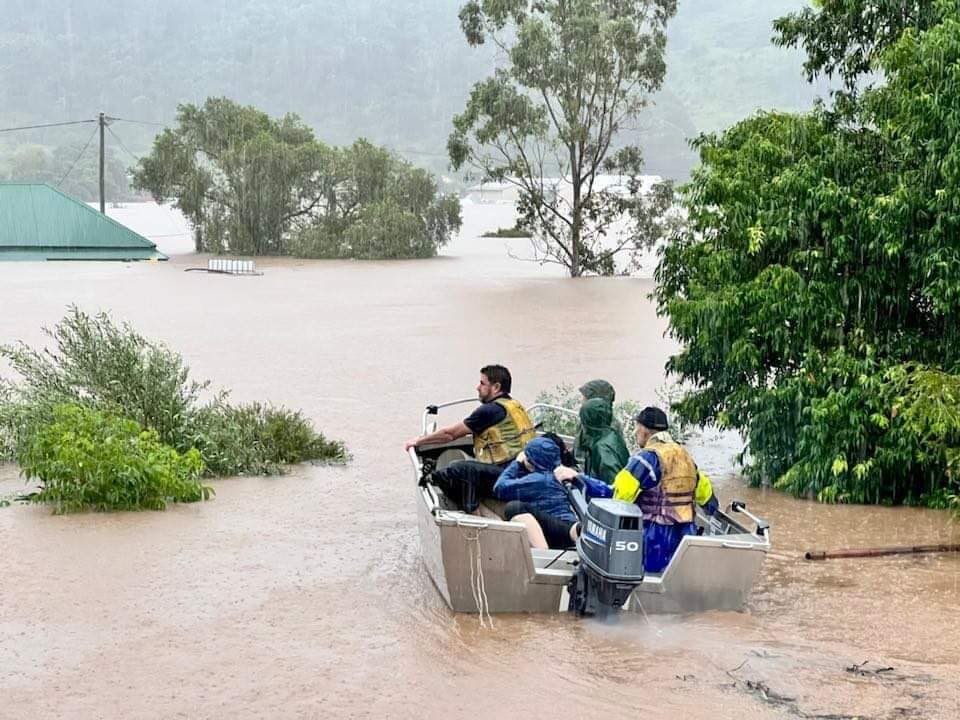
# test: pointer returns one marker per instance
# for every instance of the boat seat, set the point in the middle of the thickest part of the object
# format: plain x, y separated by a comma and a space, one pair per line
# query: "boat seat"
451, 455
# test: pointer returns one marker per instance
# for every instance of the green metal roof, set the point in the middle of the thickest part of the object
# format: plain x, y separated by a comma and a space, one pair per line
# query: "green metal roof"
38, 222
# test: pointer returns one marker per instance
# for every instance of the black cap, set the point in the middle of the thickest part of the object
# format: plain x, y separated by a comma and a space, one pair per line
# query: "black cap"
653, 418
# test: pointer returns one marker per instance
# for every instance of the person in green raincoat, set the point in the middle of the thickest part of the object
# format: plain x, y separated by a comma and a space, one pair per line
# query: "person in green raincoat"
604, 451
588, 391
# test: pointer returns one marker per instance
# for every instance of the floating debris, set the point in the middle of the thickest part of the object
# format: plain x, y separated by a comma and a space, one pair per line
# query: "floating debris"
228, 266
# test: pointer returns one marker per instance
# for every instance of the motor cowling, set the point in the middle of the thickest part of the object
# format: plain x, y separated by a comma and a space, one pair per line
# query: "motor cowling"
610, 547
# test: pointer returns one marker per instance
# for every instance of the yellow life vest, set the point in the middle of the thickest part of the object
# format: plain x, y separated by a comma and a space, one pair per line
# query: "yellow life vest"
671, 501
503, 441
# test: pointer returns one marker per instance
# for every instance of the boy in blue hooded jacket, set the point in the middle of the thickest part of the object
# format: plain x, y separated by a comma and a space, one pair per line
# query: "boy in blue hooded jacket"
535, 498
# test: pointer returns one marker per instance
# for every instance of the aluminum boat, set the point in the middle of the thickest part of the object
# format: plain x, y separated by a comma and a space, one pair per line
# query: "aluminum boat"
485, 564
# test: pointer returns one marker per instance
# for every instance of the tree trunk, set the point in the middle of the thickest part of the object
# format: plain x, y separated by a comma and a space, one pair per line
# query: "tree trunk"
198, 232
575, 269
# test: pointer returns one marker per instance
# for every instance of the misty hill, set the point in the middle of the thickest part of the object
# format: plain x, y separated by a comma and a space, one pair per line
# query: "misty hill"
393, 72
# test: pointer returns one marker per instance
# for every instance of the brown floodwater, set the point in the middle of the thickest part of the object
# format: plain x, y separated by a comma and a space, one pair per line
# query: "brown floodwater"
304, 596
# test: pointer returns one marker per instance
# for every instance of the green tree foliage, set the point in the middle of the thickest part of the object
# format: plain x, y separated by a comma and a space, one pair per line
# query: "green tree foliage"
847, 38
240, 176
84, 459
112, 369
815, 288
377, 206
547, 121
254, 185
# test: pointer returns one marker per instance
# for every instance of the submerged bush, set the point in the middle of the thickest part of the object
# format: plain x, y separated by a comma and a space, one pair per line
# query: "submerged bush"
85, 459
97, 363
8, 444
112, 369
511, 232
255, 439
565, 396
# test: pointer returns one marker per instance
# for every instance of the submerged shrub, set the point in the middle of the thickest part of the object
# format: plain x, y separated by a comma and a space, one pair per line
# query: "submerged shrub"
111, 368
511, 232
257, 439
85, 459
8, 445
98, 363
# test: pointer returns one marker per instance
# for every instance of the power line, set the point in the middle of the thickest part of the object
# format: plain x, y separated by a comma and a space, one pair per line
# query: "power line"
92, 135
138, 122
47, 125
79, 122
120, 143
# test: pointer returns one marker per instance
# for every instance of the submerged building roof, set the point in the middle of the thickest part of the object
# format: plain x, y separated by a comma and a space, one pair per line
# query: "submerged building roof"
38, 222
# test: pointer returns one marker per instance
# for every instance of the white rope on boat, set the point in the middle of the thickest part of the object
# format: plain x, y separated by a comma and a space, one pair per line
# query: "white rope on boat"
473, 584
477, 585
481, 585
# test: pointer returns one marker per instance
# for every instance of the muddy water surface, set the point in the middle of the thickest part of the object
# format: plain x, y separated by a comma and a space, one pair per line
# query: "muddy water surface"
304, 596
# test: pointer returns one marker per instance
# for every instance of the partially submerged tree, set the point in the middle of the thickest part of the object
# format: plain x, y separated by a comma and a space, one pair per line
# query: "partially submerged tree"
377, 206
238, 175
815, 289
577, 72
251, 184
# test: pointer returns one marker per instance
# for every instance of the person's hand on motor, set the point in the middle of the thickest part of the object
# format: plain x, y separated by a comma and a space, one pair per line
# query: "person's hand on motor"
411, 443
565, 474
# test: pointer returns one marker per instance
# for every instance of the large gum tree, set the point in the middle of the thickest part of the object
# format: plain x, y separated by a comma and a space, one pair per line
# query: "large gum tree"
574, 74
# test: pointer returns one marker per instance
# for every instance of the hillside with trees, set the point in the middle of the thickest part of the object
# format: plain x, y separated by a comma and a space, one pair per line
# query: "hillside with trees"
395, 74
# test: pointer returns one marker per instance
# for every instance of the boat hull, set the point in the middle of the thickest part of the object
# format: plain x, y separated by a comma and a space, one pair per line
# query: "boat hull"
481, 565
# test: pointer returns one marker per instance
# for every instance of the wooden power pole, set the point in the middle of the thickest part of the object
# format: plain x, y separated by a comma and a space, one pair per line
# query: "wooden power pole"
102, 121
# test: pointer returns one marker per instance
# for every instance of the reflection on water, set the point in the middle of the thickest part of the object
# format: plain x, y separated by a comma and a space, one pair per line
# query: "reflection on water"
304, 596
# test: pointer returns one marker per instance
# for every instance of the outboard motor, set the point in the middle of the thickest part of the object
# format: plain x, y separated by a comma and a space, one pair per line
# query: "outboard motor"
610, 547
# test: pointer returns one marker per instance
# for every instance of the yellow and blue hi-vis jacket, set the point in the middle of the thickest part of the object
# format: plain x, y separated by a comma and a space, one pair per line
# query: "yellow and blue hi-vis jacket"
668, 511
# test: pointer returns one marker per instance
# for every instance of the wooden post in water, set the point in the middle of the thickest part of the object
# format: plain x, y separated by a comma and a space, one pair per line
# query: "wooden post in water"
880, 551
